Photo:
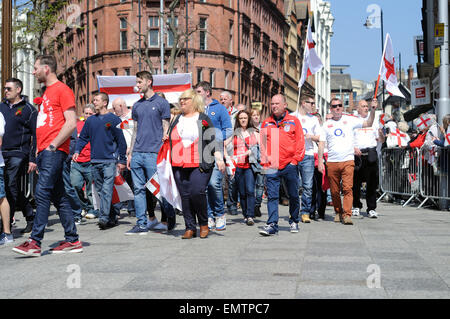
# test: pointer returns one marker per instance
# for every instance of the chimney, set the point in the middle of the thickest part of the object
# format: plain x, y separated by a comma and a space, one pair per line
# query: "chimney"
410, 76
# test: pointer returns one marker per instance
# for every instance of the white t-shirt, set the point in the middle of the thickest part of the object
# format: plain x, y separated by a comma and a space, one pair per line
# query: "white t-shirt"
2, 132
339, 135
188, 129
310, 125
366, 137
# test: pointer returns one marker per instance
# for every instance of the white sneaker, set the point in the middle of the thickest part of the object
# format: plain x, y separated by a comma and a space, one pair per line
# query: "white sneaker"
83, 213
221, 223
372, 214
211, 223
90, 216
355, 211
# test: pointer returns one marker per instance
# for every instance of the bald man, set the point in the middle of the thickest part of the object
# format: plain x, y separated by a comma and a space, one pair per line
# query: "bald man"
282, 148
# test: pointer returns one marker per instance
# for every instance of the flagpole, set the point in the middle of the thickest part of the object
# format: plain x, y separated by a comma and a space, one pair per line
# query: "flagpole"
381, 64
303, 66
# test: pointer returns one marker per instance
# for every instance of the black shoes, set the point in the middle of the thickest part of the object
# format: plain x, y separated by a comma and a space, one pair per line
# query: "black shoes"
257, 211
103, 226
27, 228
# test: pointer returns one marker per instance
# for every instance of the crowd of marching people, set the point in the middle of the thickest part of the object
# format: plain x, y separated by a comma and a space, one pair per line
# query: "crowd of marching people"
211, 159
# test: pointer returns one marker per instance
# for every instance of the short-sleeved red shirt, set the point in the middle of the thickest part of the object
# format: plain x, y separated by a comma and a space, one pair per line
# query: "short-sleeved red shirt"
57, 99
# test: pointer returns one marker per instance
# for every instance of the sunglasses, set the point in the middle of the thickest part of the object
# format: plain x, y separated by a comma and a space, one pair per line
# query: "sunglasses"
9, 89
333, 106
312, 103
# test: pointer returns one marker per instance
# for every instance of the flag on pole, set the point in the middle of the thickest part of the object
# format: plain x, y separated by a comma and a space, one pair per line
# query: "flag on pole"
172, 85
311, 61
388, 69
162, 183
447, 137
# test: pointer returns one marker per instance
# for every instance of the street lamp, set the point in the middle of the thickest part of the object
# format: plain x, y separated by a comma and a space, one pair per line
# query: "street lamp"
370, 25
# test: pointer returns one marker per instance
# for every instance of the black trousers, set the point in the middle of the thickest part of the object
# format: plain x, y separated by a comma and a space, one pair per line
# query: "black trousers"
319, 197
191, 184
367, 172
15, 168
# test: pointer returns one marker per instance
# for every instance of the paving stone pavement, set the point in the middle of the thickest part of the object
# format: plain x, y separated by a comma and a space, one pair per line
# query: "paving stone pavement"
405, 253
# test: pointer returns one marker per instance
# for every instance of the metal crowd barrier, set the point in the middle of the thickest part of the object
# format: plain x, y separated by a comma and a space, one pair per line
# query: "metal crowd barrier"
399, 173
27, 184
434, 175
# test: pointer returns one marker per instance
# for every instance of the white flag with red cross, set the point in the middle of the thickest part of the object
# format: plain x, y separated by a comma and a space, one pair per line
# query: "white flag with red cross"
397, 139
121, 192
172, 85
424, 121
230, 165
311, 61
388, 69
163, 182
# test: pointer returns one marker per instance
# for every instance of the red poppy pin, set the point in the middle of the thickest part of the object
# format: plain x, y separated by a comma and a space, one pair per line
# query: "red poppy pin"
19, 112
108, 125
38, 100
205, 124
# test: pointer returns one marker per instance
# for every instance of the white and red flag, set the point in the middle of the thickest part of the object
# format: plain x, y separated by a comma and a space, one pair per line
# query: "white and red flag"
424, 121
162, 183
387, 69
447, 137
311, 61
121, 192
172, 85
397, 139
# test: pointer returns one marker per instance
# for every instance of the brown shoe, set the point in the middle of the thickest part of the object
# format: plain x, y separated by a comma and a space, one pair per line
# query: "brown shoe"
337, 218
305, 218
189, 234
348, 220
204, 231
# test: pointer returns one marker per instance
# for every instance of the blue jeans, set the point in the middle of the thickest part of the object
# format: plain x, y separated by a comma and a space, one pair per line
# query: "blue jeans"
215, 194
73, 198
50, 187
259, 188
143, 166
245, 180
104, 174
81, 175
290, 175
306, 179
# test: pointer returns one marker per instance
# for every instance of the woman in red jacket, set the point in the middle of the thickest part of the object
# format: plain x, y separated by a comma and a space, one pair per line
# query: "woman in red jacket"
246, 152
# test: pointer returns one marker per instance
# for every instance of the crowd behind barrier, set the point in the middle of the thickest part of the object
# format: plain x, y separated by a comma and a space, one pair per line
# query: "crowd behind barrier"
415, 173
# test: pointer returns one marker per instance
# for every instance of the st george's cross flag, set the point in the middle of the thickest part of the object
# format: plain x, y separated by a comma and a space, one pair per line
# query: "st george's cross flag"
162, 183
311, 61
447, 137
121, 192
388, 69
172, 85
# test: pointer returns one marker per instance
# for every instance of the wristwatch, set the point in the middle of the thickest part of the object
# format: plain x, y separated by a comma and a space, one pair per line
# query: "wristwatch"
52, 148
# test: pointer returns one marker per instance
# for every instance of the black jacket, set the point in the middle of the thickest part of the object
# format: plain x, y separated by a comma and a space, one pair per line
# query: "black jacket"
19, 139
207, 144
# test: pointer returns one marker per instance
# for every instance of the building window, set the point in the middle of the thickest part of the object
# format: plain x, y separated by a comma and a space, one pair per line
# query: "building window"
199, 74
153, 31
230, 49
127, 71
226, 79
95, 38
114, 71
123, 34
203, 30
170, 37
211, 77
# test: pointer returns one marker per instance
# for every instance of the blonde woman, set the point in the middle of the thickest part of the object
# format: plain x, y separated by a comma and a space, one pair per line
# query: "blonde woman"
194, 150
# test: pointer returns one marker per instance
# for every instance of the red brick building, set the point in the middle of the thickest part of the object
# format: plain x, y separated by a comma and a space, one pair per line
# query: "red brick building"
237, 44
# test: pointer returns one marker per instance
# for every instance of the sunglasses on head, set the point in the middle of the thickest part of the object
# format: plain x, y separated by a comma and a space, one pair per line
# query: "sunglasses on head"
333, 106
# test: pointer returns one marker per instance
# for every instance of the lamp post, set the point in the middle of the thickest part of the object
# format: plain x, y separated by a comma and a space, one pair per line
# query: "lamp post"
6, 42
139, 21
370, 25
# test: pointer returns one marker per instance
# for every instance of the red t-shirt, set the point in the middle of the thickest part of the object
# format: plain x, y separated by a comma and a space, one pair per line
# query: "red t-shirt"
85, 154
57, 99
240, 148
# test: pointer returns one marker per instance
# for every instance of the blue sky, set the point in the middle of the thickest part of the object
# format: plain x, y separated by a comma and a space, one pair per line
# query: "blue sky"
355, 45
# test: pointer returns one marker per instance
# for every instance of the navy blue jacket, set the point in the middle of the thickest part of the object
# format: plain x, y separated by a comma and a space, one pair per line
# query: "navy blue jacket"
20, 129
105, 138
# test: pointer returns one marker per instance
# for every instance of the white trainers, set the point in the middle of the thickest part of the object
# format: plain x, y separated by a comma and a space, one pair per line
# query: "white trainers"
221, 223
372, 214
211, 223
355, 211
